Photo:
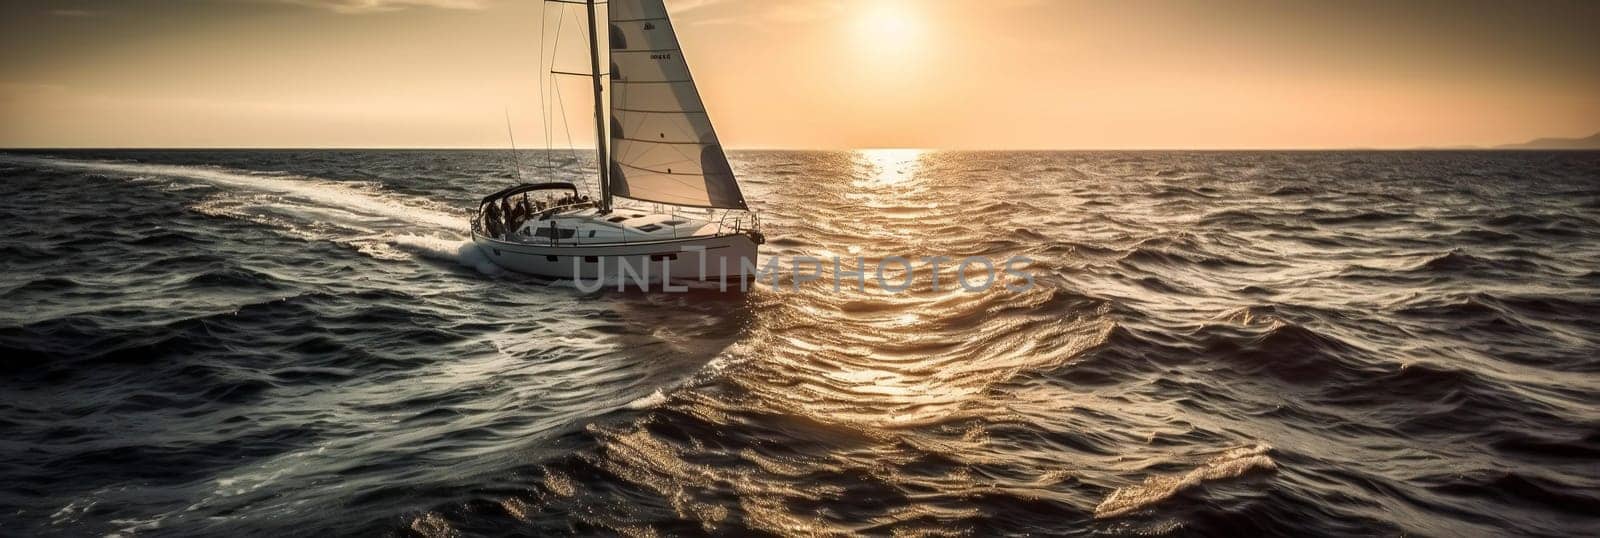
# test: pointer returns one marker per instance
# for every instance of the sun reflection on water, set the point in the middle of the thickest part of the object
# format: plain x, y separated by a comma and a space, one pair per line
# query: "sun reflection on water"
884, 167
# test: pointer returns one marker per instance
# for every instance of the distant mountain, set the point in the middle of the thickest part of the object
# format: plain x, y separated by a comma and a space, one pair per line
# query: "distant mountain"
1593, 142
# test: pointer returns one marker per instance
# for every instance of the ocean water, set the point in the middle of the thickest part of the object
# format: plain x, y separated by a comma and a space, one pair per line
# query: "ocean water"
260, 343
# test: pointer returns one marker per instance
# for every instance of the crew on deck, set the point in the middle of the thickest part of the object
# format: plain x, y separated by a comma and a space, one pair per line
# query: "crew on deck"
503, 218
513, 220
491, 221
524, 208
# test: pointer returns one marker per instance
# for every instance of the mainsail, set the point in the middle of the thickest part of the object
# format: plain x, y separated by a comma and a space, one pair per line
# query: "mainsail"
663, 148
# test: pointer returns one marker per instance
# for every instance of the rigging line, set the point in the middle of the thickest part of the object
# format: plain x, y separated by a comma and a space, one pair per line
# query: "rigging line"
516, 158
547, 115
549, 81
558, 84
544, 107
561, 102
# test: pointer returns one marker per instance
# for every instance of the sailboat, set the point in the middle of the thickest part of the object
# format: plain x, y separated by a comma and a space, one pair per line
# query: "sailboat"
688, 219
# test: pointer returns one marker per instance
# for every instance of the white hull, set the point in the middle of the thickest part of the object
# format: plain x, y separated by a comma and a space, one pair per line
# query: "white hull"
677, 259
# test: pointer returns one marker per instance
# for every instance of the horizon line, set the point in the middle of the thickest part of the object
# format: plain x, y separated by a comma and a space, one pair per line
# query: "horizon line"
881, 148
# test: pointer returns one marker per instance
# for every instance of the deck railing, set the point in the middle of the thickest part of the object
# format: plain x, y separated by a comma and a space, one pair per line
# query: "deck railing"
737, 223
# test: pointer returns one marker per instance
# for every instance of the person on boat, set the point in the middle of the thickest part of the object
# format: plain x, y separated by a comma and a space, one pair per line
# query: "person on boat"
491, 220
512, 221
524, 208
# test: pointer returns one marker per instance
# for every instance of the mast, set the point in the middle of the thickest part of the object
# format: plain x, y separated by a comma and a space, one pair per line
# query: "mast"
599, 112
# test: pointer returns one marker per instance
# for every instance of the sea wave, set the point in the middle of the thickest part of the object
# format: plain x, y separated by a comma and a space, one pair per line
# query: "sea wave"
256, 343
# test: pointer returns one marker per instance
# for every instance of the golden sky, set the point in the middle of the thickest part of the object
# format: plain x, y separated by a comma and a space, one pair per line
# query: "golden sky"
812, 74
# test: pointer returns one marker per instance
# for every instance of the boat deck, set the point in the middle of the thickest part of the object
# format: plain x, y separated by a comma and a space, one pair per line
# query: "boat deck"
586, 225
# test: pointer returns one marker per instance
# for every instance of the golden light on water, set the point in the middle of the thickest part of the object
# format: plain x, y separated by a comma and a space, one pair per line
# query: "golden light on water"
885, 167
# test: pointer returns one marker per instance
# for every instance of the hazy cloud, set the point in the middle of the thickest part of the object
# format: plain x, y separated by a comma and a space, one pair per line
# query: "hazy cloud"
700, 12
685, 6
706, 12
380, 6
76, 12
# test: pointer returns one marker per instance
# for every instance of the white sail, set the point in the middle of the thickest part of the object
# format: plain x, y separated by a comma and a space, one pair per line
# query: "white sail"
663, 148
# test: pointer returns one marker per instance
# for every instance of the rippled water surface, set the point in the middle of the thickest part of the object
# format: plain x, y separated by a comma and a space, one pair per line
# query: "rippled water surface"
254, 343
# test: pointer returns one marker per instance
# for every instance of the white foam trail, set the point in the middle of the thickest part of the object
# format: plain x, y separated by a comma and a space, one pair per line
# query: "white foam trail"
440, 248
373, 222
1230, 464
328, 194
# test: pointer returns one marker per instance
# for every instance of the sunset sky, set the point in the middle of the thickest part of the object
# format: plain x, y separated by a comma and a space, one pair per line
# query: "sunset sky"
811, 74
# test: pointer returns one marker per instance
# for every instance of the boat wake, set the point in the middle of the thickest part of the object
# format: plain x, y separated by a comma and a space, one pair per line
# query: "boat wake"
445, 249
361, 216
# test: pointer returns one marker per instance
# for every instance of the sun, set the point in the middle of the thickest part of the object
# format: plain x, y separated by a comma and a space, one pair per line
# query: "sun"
889, 28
